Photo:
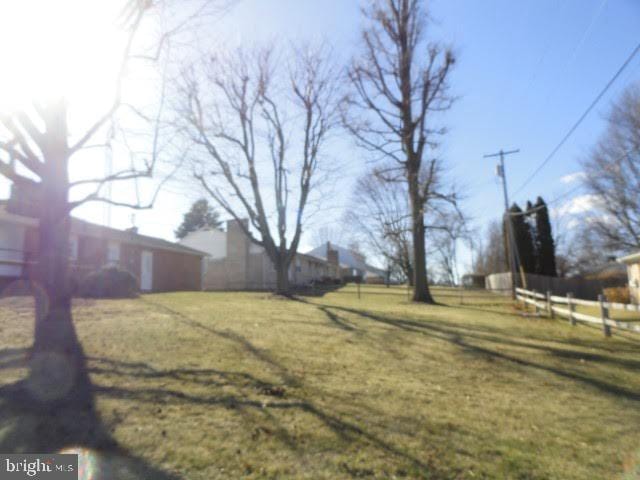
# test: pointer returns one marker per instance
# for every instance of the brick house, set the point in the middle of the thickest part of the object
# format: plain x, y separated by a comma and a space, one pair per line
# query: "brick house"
236, 263
158, 265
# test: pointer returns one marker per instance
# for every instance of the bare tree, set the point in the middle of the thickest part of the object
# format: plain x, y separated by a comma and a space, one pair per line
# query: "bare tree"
612, 176
400, 86
491, 252
447, 228
36, 150
260, 131
379, 217
327, 234
582, 253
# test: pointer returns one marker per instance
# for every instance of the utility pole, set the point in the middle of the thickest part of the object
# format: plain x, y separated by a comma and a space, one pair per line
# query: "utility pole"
507, 218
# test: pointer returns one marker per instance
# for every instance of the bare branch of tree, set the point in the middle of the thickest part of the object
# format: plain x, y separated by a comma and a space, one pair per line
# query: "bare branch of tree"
397, 97
239, 109
612, 177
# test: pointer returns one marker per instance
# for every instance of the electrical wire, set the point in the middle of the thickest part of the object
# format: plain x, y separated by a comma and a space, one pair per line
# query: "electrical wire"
580, 120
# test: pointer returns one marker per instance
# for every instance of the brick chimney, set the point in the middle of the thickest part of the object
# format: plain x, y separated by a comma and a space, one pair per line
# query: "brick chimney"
237, 253
333, 259
332, 255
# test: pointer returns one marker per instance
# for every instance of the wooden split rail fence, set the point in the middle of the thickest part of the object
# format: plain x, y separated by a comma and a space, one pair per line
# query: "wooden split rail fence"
547, 303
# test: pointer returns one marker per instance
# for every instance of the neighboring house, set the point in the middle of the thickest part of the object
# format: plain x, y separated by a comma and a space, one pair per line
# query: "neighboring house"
610, 271
212, 241
633, 271
236, 263
158, 265
353, 264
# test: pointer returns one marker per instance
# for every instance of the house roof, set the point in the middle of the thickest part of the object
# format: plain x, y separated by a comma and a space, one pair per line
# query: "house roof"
312, 257
82, 227
606, 270
347, 259
633, 258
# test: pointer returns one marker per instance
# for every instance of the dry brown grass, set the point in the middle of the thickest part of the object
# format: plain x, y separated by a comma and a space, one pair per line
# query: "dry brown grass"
242, 385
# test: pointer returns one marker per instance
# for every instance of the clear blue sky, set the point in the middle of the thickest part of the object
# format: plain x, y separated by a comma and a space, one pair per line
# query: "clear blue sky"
526, 71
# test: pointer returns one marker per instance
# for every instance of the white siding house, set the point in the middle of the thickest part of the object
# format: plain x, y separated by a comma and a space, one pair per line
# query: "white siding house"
211, 241
236, 263
633, 271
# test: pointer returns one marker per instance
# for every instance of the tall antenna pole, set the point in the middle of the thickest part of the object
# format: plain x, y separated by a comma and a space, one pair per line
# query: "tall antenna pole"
510, 253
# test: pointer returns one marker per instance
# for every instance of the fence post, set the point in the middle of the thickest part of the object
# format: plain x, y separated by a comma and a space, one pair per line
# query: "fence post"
572, 308
520, 300
535, 302
604, 314
550, 305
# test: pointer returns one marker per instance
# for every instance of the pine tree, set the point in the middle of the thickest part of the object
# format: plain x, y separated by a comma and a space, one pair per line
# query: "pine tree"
530, 218
523, 239
545, 246
201, 215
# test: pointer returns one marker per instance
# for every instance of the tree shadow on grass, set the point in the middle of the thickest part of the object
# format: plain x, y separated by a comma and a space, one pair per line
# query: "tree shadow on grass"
254, 401
347, 430
496, 335
56, 414
464, 336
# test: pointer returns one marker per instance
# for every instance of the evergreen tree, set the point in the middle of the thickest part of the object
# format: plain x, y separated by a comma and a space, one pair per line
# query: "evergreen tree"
530, 218
523, 239
545, 246
201, 215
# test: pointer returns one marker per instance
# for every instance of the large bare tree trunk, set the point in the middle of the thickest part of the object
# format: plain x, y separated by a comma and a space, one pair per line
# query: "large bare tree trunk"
282, 278
400, 84
421, 291
52, 274
58, 369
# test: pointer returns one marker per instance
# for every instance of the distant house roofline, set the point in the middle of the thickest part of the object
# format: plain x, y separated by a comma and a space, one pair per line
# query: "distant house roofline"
633, 258
312, 257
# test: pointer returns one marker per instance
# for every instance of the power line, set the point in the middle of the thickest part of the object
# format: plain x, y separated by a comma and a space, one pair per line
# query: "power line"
583, 38
565, 195
545, 50
580, 120
586, 33
547, 204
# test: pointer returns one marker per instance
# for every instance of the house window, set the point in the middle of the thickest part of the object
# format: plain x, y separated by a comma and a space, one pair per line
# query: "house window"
298, 265
73, 249
113, 253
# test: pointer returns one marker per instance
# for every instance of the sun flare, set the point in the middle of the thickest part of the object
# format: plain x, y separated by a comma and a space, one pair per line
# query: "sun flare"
68, 48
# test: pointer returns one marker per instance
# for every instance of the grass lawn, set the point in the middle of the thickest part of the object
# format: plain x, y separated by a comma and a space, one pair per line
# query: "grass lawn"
244, 385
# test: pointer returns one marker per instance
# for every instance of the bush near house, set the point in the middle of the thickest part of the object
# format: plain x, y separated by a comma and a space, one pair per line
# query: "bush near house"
618, 294
109, 282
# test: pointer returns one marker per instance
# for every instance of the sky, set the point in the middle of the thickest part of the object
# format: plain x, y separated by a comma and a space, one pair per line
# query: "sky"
525, 72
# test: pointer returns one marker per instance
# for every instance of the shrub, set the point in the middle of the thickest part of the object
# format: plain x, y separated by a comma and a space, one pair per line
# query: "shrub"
109, 282
618, 294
